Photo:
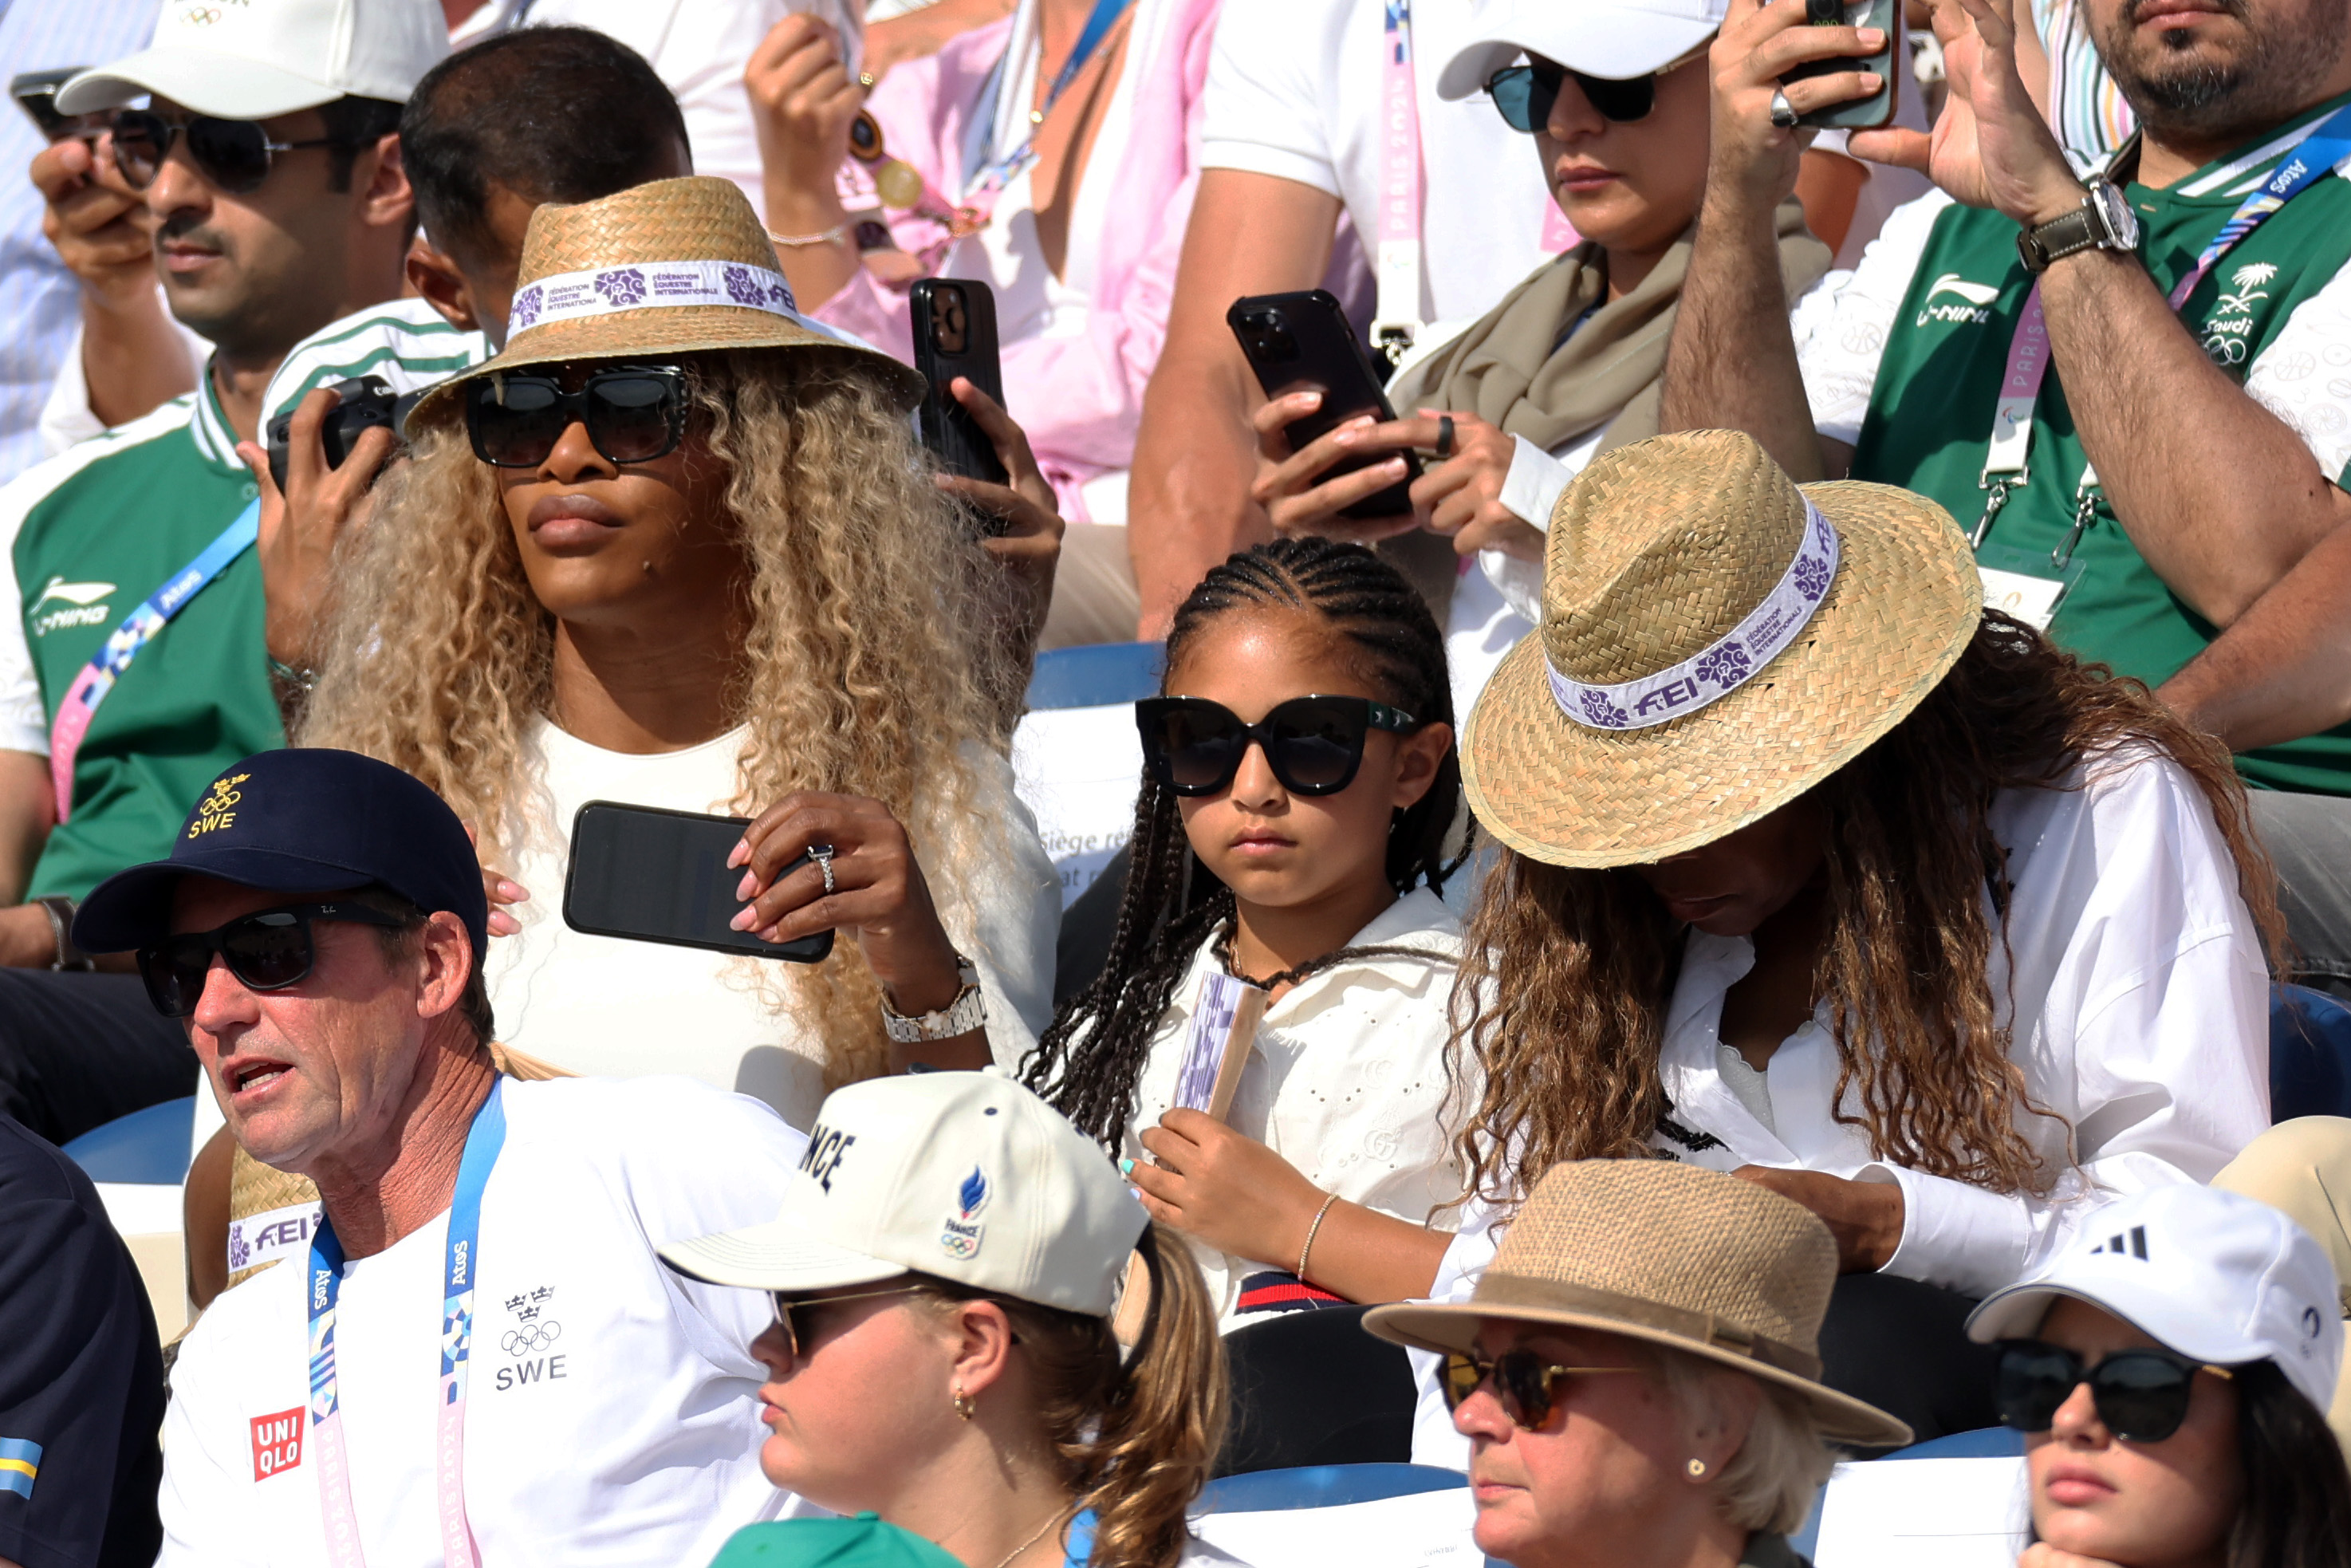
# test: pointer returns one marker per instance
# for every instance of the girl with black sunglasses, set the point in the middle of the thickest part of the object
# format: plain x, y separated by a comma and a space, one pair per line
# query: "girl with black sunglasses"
1299, 791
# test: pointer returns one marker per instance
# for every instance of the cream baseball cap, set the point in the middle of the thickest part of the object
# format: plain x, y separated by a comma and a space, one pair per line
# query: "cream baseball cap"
2216, 1276
964, 1175
251, 59
1616, 39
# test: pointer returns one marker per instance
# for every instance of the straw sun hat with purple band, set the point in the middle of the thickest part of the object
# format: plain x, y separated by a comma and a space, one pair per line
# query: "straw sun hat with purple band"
674, 267
1716, 641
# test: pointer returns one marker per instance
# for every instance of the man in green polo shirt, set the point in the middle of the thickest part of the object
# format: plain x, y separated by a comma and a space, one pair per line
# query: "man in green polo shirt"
285, 210
2137, 472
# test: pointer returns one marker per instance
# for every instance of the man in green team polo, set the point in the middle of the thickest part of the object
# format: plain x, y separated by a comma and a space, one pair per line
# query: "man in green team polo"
2132, 389
275, 193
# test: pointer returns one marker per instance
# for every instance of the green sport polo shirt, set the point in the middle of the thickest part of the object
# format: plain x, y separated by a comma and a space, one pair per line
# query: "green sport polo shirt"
1931, 407
96, 530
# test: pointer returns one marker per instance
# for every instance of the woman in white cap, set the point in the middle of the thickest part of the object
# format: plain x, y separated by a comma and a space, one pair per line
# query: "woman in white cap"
1638, 1372
944, 1271
1568, 364
1820, 873
2170, 1369
676, 546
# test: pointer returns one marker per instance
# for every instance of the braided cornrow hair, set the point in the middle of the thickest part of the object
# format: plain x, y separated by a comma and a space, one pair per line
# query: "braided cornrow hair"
1090, 1060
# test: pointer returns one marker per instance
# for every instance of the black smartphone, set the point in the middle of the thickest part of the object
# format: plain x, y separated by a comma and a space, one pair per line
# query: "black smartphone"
955, 335
1857, 113
1300, 342
36, 93
368, 401
651, 875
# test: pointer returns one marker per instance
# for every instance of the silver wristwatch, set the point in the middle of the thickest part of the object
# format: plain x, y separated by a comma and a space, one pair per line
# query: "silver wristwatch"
2104, 221
967, 1012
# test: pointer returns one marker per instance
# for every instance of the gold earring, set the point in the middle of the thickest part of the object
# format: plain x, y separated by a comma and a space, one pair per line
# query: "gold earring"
1696, 1469
962, 1403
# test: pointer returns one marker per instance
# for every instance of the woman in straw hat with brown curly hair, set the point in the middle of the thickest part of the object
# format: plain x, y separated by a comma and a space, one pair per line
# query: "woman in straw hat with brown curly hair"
1817, 872
1638, 1372
676, 546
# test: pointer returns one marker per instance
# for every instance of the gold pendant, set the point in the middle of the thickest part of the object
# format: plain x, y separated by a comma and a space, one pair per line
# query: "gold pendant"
897, 183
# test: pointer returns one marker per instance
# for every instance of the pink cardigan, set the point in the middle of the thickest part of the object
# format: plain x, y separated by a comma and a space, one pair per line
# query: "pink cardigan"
1079, 399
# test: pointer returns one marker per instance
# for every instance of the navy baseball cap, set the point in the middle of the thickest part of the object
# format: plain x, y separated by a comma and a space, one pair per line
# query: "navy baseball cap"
304, 821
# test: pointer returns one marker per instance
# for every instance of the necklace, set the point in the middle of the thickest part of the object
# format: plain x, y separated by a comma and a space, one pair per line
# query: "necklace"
1007, 1559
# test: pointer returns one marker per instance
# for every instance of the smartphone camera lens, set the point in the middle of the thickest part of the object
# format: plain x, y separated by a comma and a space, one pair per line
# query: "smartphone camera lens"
1270, 339
951, 321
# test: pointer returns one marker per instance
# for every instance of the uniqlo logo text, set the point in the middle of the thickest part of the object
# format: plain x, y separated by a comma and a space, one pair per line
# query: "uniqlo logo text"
277, 1443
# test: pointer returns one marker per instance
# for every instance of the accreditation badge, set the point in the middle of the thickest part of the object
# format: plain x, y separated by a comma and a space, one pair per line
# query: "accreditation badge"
2021, 583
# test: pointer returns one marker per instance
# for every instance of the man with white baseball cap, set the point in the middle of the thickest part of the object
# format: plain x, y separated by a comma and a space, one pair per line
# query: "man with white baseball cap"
2172, 1370
945, 1269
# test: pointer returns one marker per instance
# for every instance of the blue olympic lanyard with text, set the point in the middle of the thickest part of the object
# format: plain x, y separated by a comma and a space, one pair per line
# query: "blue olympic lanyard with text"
2004, 472
462, 1267
1002, 170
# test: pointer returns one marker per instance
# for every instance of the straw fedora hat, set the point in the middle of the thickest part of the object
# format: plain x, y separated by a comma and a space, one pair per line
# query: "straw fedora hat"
1715, 642
1676, 1255
674, 267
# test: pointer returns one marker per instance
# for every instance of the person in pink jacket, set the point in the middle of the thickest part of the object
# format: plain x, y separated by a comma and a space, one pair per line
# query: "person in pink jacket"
1056, 153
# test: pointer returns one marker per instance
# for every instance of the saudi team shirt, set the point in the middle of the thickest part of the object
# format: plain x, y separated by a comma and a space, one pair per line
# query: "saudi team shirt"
613, 1414
1919, 338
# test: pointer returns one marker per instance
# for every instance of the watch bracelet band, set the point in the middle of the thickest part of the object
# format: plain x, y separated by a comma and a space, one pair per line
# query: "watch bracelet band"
2069, 234
60, 910
968, 1011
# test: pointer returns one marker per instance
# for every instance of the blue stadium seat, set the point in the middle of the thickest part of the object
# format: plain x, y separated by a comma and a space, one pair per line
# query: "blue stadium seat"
1322, 1485
1097, 675
147, 1147
2310, 1054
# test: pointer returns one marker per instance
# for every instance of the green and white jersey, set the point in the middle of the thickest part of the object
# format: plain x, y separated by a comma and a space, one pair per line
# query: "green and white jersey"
406, 342
1906, 359
88, 535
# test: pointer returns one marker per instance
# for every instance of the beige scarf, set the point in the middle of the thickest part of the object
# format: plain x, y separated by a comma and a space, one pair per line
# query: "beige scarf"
1510, 369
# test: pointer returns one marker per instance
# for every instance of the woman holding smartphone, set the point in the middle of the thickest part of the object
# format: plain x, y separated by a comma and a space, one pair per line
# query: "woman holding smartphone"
676, 547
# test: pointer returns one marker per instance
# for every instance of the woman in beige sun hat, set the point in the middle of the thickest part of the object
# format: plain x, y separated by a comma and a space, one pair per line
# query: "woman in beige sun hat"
1638, 1372
1817, 872
676, 546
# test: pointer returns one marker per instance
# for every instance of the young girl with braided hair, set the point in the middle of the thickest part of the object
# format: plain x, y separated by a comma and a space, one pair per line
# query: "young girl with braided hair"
1300, 788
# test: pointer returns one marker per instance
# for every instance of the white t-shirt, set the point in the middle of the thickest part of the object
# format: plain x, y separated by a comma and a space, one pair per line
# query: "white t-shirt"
612, 1414
603, 1005
1346, 1081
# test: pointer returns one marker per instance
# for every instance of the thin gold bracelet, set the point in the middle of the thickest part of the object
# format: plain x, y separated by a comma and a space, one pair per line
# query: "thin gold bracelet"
1304, 1252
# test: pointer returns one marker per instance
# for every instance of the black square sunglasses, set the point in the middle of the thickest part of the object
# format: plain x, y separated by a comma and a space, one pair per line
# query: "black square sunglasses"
235, 155
1313, 744
1524, 94
2141, 1395
633, 413
266, 951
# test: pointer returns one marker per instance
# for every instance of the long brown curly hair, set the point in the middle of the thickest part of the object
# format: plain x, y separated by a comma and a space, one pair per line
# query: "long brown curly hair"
873, 664
1567, 972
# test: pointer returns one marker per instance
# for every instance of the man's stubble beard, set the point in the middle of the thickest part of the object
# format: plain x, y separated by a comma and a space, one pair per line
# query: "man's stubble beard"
2277, 74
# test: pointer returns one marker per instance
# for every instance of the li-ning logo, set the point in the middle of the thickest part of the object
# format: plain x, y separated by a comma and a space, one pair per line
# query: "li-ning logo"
2115, 1245
963, 1231
218, 809
822, 1155
1975, 311
83, 606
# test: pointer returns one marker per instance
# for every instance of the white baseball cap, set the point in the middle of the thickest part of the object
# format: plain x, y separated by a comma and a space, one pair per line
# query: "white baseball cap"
2218, 1277
1616, 39
964, 1175
251, 59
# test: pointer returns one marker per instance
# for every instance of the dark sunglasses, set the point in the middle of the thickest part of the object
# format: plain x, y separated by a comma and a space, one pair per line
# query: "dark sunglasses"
1525, 94
2141, 1395
266, 952
1313, 744
633, 414
234, 155
1526, 1386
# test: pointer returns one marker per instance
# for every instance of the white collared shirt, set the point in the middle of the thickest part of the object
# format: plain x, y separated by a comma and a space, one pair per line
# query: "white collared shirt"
1346, 1081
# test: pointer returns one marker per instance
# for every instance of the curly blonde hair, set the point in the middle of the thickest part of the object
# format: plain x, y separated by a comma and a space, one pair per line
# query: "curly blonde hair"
876, 663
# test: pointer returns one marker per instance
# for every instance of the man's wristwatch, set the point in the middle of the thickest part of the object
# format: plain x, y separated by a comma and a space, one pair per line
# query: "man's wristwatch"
71, 958
961, 1015
2103, 221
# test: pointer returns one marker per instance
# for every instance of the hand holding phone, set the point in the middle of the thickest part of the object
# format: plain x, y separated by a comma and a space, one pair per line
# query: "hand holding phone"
955, 335
36, 93
645, 874
1858, 113
1303, 343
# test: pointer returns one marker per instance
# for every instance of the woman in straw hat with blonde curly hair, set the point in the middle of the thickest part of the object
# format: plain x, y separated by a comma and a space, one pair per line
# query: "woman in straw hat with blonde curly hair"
676, 546
1638, 1372
1817, 872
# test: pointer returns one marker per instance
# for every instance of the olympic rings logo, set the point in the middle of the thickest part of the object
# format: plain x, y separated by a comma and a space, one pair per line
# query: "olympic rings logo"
530, 1338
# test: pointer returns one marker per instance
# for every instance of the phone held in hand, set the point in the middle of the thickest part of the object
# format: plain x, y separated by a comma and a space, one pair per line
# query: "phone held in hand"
955, 335
36, 93
1303, 343
645, 874
1857, 113
368, 401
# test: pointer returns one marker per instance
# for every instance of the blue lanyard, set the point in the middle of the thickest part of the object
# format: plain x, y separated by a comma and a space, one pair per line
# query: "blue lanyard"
999, 172
461, 1269
2312, 160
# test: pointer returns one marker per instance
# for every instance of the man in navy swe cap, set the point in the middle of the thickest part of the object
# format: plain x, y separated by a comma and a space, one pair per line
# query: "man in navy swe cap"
318, 927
